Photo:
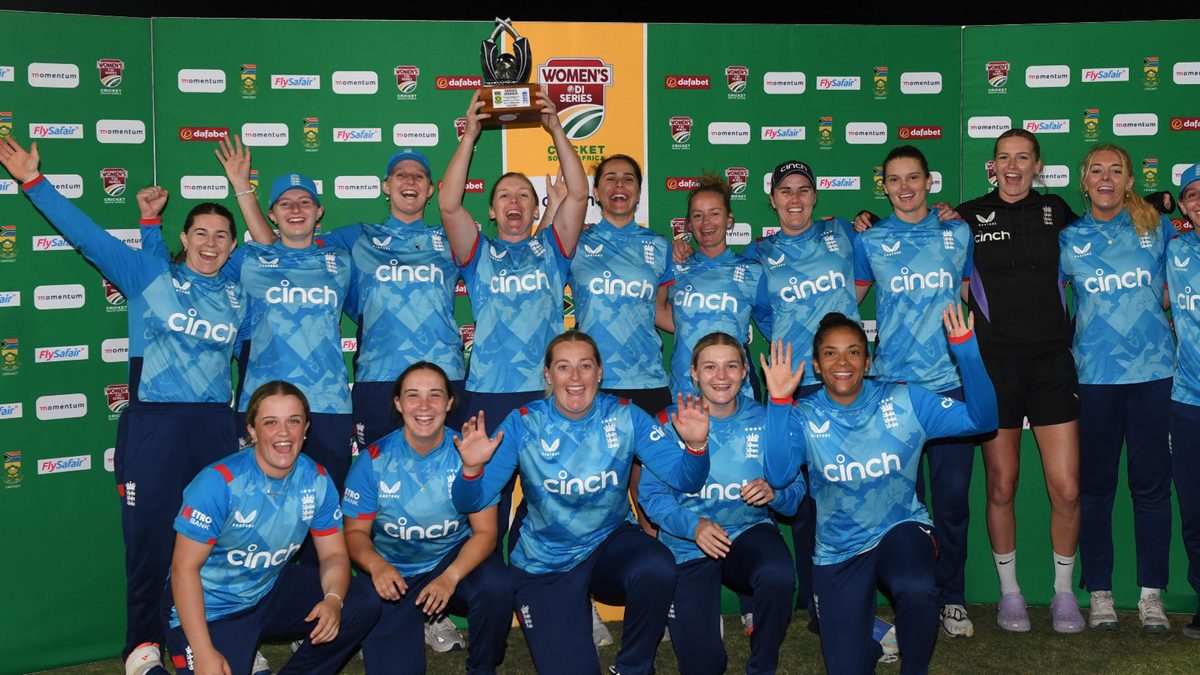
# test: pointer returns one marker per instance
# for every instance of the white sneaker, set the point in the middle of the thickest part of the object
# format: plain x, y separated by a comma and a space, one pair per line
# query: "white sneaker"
443, 636
261, 667
143, 658
955, 621
1101, 614
1154, 619
600, 635
748, 623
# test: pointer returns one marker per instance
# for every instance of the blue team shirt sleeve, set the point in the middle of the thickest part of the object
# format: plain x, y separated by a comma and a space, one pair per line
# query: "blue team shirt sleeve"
661, 451
477, 493
661, 505
328, 518
342, 237
941, 416
761, 312
969, 263
863, 273
205, 507
785, 451
152, 240
132, 271
787, 499
360, 498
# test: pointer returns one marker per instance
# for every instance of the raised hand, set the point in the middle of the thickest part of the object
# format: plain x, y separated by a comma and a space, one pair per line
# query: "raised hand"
235, 157
21, 164
550, 121
782, 381
151, 200
681, 250
952, 319
473, 118
691, 420
475, 448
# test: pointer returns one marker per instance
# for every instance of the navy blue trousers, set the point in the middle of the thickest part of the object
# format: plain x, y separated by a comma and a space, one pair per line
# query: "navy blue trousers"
1185, 469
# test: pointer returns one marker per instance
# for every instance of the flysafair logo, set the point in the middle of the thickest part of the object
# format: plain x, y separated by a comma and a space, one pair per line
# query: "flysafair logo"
721, 302
8, 242
881, 82
311, 132
1150, 72
877, 177
797, 290
5, 124
110, 71
402, 530
253, 559
1187, 300
737, 177
825, 131
1150, 173
394, 271
1091, 124
564, 485
606, 284
735, 79
997, 76
9, 355
721, 492
1108, 283
840, 470
286, 293
406, 81
519, 283
681, 132
188, 324
915, 281
249, 79
576, 86
114, 181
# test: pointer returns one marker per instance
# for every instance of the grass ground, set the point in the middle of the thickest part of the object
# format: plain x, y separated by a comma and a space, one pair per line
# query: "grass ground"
992, 650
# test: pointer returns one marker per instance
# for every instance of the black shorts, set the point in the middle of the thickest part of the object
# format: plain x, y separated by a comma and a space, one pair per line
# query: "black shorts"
1043, 388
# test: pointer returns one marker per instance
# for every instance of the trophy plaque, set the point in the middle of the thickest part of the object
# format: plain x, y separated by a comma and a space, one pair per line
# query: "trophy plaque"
506, 94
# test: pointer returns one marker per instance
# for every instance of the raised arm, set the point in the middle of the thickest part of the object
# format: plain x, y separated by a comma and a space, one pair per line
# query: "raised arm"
151, 201
568, 220
657, 445
235, 157
460, 226
942, 417
784, 451
488, 463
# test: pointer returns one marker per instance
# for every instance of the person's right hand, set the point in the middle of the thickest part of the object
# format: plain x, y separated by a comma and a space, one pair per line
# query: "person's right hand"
712, 539
475, 448
474, 117
151, 200
389, 583
210, 663
862, 222
681, 250
235, 157
21, 164
781, 379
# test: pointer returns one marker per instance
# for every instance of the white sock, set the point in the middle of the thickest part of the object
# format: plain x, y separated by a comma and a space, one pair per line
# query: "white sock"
1150, 591
1064, 573
1006, 568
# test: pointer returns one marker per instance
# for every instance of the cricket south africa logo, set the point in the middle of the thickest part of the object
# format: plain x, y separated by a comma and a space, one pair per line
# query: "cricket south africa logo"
577, 86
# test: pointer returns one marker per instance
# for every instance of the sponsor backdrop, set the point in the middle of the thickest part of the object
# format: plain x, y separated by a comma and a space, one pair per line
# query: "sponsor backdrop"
685, 99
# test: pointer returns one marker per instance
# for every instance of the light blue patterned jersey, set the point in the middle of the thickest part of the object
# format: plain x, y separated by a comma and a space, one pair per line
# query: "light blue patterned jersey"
182, 325
614, 280
408, 497
575, 476
735, 448
296, 298
403, 299
1117, 277
255, 525
1183, 278
711, 295
917, 270
863, 458
808, 276
516, 292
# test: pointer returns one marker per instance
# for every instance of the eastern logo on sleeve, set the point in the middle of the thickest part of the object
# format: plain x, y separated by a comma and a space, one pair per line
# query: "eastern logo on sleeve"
249, 80
1150, 72
12, 468
1091, 124
687, 82
1150, 173
737, 177
825, 132
5, 125
681, 132
111, 72
10, 356
880, 78
577, 87
457, 82
406, 82
53, 75
113, 181
8, 243
997, 76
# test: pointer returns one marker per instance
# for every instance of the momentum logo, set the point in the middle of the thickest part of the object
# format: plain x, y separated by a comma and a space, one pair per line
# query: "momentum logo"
265, 134
355, 82
356, 187
1037, 77
58, 296
61, 407
203, 187
201, 81
784, 82
53, 75
921, 83
131, 132
988, 126
728, 133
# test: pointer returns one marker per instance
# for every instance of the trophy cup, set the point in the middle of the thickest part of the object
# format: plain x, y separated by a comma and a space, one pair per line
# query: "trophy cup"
506, 95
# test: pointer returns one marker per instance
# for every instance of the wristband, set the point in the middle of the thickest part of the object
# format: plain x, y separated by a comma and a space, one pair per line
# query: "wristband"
244, 192
341, 602
696, 451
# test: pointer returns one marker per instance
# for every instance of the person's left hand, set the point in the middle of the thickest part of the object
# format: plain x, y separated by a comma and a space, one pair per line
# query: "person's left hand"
436, 594
550, 121
757, 492
691, 421
945, 211
952, 319
328, 615
151, 200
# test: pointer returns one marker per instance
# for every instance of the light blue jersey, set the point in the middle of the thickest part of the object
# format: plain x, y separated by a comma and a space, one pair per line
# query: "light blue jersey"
917, 270
863, 458
808, 276
614, 279
1183, 278
712, 295
735, 446
516, 292
255, 524
1117, 278
182, 325
408, 497
575, 476
403, 299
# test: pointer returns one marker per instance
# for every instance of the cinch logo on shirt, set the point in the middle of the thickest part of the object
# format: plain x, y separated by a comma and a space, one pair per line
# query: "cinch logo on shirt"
875, 467
188, 324
253, 559
522, 283
580, 486
799, 290
686, 297
607, 285
1107, 283
915, 281
992, 236
288, 294
402, 530
720, 493
430, 274
1187, 300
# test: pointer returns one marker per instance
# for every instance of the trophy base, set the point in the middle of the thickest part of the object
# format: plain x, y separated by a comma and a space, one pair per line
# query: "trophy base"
510, 105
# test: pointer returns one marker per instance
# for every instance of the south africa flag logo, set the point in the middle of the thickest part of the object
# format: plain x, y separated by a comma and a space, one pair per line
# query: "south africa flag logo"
577, 85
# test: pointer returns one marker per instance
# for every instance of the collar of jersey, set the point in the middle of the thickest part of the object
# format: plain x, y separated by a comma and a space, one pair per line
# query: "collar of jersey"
277, 486
552, 408
218, 280
1092, 221
447, 440
930, 221
631, 228
808, 233
394, 224
278, 248
866, 398
724, 256
743, 404
993, 197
